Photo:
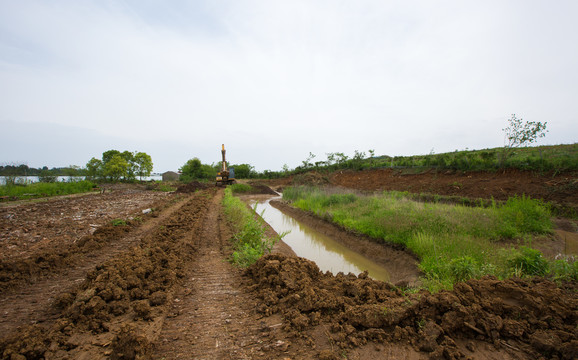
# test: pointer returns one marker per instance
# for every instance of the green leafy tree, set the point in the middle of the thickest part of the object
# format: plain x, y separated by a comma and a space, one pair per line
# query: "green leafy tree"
244, 171
144, 164
94, 168
307, 162
208, 171
330, 158
132, 166
108, 155
191, 170
340, 159
115, 168
519, 133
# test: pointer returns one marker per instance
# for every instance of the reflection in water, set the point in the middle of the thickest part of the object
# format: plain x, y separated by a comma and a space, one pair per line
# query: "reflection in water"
328, 254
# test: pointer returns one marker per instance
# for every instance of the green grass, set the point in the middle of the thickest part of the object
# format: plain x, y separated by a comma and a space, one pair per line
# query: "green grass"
249, 241
165, 186
118, 222
453, 242
45, 189
240, 188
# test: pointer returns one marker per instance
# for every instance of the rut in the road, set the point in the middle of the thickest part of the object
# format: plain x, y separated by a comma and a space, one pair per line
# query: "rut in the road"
211, 319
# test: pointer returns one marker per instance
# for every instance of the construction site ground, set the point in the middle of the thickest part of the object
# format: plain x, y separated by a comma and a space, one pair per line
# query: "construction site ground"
133, 274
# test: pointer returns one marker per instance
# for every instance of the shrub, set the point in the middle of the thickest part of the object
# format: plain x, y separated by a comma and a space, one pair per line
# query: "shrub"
528, 261
564, 269
527, 215
464, 268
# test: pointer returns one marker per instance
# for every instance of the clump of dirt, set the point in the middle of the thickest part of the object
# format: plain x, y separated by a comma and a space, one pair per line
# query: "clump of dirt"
129, 344
534, 317
193, 186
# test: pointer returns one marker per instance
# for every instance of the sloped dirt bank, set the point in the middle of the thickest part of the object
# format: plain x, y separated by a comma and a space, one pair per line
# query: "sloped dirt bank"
559, 188
480, 319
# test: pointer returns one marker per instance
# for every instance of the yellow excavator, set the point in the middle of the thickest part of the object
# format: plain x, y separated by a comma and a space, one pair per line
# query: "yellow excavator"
227, 175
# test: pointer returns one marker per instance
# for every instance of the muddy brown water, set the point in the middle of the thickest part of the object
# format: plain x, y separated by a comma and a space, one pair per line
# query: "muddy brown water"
570, 241
306, 242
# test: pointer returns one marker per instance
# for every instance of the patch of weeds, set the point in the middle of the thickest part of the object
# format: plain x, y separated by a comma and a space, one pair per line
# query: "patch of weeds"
564, 268
240, 188
249, 241
166, 187
118, 222
464, 268
528, 261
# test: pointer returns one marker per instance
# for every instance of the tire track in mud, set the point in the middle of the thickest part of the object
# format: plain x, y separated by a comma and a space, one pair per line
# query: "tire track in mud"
211, 318
33, 303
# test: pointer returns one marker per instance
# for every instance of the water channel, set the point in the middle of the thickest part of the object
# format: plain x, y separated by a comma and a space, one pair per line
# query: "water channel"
328, 254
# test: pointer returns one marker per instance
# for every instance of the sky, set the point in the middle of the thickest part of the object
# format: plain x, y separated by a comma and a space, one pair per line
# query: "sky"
276, 80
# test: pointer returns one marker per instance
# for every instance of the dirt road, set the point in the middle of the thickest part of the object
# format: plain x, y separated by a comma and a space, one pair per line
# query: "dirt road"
161, 287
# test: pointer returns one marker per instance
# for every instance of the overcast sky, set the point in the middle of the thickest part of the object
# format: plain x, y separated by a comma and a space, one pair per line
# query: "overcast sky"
275, 80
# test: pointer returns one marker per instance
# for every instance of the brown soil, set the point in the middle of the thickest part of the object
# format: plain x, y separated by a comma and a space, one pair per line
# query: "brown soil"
161, 287
193, 186
511, 319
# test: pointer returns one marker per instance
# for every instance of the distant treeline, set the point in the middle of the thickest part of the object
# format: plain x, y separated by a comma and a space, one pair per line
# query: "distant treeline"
25, 170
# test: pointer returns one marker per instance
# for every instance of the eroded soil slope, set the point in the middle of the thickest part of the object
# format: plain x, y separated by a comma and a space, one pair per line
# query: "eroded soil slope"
481, 319
560, 189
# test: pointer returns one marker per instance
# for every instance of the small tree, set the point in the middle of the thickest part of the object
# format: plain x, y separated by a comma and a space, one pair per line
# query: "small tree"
191, 170
144, 164
519, 133
307, 162
93, 169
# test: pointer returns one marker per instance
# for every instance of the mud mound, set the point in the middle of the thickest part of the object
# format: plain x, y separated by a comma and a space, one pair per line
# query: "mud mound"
310, 178
193, 186
533, 318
